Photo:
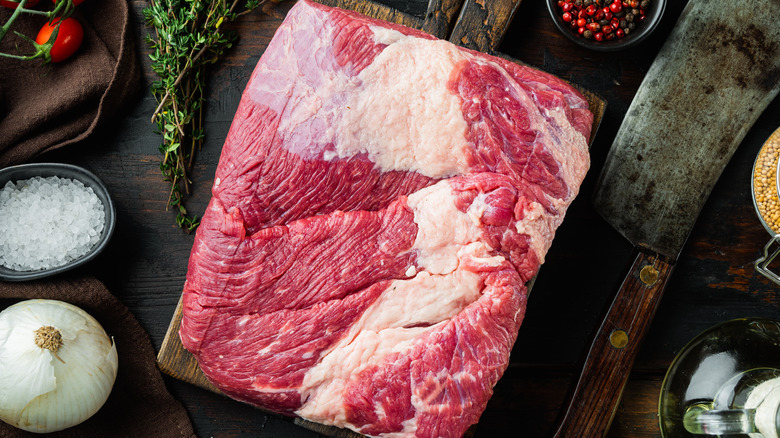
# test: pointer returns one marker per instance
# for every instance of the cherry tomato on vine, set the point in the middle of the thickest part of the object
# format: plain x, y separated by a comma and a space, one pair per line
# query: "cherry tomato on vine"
14, 4
69, 38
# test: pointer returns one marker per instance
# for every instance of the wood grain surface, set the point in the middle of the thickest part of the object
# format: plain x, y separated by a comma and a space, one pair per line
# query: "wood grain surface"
483, 24
715, 280
440, 17
384, 12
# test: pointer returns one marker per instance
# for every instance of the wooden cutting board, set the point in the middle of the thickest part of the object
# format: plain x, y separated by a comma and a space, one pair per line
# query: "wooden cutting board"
475, 24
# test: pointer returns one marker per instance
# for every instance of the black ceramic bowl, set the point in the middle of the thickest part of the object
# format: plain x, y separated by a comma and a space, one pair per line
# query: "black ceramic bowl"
45, 170
643, 30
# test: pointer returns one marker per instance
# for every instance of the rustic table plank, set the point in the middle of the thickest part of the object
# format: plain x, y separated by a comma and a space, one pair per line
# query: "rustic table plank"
482, 25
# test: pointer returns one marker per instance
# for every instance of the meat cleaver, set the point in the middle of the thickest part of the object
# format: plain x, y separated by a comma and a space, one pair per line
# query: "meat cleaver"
714, 75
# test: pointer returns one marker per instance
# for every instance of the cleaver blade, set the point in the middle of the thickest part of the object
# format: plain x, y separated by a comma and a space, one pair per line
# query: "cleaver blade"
713, 77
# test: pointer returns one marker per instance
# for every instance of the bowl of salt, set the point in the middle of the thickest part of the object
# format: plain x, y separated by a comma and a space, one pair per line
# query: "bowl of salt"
53, 217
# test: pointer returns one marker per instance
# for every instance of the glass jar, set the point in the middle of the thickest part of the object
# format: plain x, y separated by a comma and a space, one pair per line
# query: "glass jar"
765, 187
725, 382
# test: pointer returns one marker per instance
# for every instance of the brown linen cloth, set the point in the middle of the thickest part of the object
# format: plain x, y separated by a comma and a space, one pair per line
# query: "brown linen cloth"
139, 404
44, 107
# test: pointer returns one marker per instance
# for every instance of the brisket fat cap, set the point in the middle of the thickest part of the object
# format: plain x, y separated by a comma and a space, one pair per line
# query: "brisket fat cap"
381, 200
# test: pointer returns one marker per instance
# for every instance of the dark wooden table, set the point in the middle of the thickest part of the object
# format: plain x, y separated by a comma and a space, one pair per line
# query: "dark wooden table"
715, 280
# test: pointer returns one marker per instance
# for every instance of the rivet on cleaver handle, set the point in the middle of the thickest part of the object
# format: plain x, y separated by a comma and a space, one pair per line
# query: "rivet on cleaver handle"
713, 77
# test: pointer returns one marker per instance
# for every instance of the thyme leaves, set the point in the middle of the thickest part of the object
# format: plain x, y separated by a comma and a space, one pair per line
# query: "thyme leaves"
188, 36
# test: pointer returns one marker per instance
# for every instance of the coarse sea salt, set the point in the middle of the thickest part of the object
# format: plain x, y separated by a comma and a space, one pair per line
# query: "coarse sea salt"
47, 222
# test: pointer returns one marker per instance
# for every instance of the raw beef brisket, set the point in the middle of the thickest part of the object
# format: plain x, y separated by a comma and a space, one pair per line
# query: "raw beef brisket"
381, 200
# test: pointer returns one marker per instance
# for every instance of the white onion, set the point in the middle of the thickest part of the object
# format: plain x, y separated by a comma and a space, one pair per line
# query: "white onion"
43, 390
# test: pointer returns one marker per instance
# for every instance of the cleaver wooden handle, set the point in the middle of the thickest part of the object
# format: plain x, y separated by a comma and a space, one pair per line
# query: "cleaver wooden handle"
596, 395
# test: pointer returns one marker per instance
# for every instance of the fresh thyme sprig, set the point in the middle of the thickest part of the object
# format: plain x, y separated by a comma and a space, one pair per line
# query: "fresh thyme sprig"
187, 37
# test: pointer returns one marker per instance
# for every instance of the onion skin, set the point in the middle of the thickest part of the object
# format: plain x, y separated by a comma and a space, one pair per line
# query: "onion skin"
42, 391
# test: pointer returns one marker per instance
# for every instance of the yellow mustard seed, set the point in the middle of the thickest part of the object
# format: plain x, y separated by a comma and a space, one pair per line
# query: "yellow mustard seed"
765, 182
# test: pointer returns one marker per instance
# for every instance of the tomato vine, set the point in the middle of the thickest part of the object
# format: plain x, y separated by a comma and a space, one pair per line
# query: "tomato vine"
41, 49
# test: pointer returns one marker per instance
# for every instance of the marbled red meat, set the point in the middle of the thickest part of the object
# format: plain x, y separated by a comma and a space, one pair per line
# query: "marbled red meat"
381, 200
